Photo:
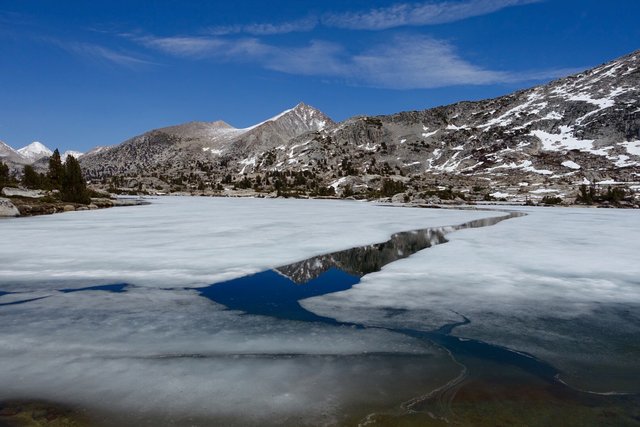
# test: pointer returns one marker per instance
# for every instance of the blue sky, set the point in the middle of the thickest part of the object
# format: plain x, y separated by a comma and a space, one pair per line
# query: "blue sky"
77, 74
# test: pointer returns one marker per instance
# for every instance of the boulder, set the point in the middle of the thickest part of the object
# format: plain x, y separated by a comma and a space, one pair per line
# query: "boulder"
399, 198
21, 192
68, 208
8, 209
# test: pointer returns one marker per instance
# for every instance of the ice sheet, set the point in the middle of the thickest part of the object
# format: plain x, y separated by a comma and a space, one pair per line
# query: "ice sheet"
562, 284
190, 241
160, 353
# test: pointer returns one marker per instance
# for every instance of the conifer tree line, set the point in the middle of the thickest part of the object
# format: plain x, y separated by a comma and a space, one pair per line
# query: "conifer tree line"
5, 178
65, 177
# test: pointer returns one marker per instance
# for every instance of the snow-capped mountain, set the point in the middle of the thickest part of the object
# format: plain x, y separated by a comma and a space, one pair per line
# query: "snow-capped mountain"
11, 157
546, 140
35, 154
7, 153
35, 151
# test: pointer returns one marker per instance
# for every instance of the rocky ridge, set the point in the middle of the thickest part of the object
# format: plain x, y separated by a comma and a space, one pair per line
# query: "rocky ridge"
543, 141
198, 147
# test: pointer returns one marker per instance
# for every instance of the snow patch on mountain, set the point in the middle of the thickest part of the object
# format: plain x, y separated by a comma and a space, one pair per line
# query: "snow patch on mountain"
34, 151
68, 153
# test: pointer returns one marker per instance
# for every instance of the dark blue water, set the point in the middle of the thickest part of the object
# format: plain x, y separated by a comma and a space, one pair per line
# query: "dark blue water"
115, 288
272, 294
24, 301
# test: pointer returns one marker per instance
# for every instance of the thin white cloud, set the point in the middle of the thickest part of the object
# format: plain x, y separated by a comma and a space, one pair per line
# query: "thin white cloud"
315, 58
404, 62
183, 46
396, 15
100, 53
419, 62
264, 29
418, 14
107, 54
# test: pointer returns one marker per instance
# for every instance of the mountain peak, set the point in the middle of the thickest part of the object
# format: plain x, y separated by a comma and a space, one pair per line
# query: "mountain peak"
302, 106
220, 124
34, 151
302, 115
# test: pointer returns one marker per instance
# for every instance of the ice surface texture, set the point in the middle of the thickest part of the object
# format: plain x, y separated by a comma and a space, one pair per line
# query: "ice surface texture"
160, 353
194, 241
562, 284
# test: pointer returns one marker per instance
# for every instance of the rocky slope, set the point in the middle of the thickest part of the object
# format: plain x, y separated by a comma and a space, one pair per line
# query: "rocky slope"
547, 140
199, 147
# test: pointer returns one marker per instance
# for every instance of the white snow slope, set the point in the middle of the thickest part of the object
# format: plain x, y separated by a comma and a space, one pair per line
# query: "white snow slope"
35, 151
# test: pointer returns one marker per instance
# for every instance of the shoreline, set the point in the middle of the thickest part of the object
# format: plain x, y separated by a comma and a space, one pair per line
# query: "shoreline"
27, 413
29, 207
36, 206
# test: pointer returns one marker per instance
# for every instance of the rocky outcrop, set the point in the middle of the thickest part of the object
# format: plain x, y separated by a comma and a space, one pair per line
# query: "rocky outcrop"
21, 192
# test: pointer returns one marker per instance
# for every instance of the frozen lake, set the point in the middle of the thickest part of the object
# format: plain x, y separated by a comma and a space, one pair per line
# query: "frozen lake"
156, 314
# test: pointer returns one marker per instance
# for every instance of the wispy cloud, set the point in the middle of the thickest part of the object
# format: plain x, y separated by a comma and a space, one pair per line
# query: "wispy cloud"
101, 53
264, 29
394, 16
418, 14
404, 62
97, 52
419, 62
183, 46
314, 58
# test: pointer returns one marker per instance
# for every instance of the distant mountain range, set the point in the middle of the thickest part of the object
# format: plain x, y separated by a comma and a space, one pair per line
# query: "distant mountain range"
32, 154
543, 141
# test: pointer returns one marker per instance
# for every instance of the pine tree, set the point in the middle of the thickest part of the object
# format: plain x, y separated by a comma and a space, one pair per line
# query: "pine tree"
31, 179
4, 175
73, 188
56, 170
